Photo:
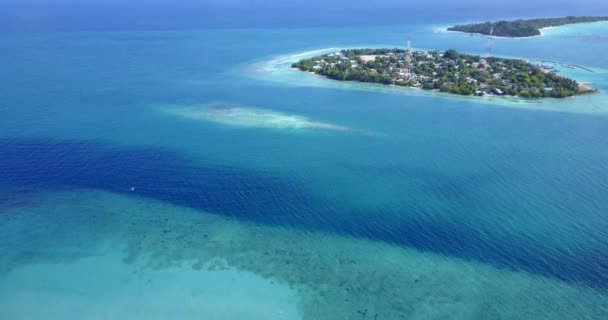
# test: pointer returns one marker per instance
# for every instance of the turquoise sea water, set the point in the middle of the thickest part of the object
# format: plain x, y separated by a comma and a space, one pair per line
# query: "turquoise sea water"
124, 176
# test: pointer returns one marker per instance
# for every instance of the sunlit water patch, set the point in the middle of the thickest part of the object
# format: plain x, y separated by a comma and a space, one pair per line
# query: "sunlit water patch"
582, 31
244, 116
101, 285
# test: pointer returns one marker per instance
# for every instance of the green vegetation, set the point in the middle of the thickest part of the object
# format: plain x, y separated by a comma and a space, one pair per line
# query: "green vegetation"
522, 28
449, 71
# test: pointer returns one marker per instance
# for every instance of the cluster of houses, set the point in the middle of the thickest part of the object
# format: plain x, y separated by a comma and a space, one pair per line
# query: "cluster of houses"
401, 74
342, 59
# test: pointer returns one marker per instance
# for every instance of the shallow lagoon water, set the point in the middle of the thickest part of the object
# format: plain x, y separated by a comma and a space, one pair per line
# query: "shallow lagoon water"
172, 261
102, 285
460, 207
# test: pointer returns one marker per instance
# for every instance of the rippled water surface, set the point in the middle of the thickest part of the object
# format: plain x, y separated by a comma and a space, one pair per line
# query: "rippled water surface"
195, 174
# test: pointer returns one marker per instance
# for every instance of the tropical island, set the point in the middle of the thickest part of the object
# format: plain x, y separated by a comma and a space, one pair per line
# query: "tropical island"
449, 71
522, 27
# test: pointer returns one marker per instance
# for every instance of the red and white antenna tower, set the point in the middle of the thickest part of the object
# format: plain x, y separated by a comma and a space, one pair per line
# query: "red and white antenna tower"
491, 41
408, 53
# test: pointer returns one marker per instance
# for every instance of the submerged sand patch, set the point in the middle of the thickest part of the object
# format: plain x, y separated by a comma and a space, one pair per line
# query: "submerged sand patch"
336, 277
102, 286
245, 116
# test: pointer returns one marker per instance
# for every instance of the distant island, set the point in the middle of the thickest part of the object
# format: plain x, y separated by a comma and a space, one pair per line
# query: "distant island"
449, 71
521, 28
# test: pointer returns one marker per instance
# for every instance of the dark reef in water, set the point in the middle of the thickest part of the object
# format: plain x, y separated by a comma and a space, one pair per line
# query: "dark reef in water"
29, 165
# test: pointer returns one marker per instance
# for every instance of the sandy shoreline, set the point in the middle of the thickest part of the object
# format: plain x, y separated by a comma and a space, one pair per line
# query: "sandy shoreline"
278, 69
505, 97
496, 37
302, 54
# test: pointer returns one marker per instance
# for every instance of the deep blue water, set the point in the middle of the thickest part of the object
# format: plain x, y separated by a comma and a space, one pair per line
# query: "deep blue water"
518, 188
69, 15
31, 165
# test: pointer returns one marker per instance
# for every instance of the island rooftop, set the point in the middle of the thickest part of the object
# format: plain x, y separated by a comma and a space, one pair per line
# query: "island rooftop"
449, 71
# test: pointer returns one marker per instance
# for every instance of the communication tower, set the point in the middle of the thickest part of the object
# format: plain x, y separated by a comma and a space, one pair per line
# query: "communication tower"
491, 41
408, 54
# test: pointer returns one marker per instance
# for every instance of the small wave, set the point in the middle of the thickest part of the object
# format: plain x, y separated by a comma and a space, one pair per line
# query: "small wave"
302, 54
